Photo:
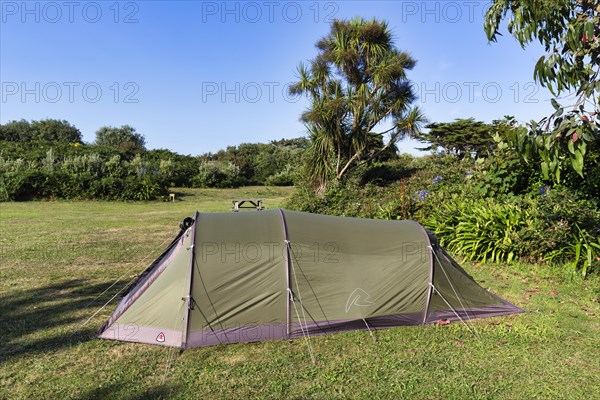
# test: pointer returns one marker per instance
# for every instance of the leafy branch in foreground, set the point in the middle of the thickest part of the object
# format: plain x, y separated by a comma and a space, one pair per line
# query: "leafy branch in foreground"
570, 33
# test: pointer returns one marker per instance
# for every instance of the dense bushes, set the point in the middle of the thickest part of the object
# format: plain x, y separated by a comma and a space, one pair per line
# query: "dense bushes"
88, 176
46, 160
47, 170
548, 227
479, 229
219, 174
256, 163
473, 216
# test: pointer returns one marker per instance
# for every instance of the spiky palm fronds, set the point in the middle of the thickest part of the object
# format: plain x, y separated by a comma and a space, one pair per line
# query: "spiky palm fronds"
357, 81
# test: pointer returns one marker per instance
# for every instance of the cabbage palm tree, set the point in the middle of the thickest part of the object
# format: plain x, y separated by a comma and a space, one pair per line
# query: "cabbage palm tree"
356, 83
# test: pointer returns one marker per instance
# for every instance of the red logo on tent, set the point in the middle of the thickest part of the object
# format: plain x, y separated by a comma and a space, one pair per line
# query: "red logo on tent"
161, 337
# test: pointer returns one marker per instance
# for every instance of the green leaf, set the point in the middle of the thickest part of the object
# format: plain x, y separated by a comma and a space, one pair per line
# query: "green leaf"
589, 30
571, 146
544, 166
577, 162
582, 147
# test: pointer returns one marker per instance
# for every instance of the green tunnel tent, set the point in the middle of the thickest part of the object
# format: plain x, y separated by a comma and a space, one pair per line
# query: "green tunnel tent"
274, 274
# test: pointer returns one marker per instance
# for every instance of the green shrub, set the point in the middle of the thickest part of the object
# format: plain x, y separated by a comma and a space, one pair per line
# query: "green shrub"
504, 174
582, 252
84, 177
479, 229
217, 174
561, 224
344, 199
43, 169
550, 226
142, 188
284, 177
385, 173
364, 193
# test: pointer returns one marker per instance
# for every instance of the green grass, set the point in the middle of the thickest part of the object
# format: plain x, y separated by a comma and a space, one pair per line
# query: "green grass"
56, 257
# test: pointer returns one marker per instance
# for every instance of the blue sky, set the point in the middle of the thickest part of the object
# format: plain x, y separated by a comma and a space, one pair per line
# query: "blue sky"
196, 76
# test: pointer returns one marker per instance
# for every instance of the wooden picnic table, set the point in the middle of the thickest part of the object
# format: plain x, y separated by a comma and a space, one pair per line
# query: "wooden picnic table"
256, 204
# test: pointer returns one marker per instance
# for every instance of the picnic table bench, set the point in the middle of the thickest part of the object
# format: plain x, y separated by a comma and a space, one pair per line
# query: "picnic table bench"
256, 204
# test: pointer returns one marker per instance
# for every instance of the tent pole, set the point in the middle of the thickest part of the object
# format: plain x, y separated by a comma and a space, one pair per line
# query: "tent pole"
188, 299
430, 282
288, 260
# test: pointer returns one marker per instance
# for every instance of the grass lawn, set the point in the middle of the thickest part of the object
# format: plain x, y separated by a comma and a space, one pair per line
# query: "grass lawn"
57, 257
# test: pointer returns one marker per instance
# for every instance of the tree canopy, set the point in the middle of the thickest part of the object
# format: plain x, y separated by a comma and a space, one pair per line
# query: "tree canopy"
461, 137
356, 84
124, 139
48, 130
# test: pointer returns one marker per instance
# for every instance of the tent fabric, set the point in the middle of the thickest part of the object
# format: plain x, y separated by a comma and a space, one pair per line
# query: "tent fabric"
275, 274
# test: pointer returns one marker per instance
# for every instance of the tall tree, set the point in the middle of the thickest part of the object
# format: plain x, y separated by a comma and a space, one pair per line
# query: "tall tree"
356, 84
569, 30
460, 137
124, 139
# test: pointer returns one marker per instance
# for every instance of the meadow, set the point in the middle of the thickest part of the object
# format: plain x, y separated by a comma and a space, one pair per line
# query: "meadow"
60, 258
